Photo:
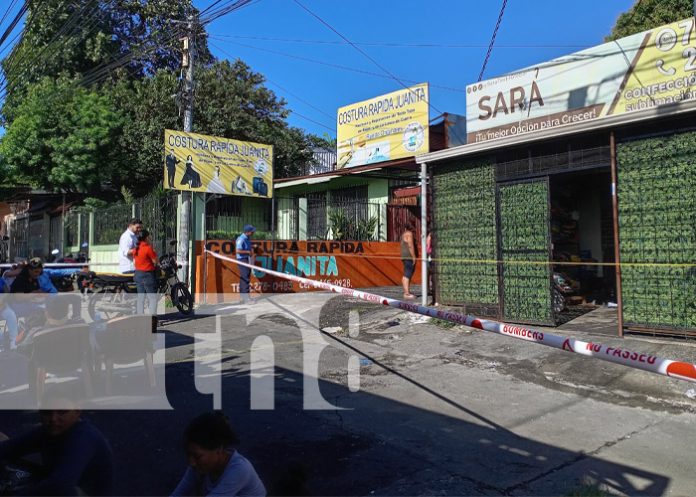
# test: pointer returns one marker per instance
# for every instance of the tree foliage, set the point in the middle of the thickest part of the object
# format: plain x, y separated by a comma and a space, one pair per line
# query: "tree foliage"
231, 101
649, 14
62, 138
93, 84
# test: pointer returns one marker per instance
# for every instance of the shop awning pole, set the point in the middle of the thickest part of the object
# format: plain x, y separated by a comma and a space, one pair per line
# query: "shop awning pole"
424, 233
615, 217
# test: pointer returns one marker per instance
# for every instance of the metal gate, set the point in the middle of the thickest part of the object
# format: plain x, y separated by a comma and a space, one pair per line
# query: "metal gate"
398, 216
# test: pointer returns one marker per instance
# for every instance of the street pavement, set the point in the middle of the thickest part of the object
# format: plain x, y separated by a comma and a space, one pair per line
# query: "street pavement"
396, 404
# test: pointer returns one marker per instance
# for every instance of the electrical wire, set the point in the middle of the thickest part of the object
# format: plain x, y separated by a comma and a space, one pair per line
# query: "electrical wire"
14, 22
490, 45
78, 20
306, 102
7, 12
367, 56
390, 44
335, 66
323, 125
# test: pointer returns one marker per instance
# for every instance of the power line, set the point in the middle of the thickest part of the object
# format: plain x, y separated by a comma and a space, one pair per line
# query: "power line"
7, 12
490, 45
366, 55
306, 102
76, 21
14, 22
332, 129
335, 66
360, 50
399, 45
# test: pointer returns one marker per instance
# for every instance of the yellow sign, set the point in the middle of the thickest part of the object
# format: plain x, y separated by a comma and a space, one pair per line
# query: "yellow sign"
384, 128
201, 163
663, 71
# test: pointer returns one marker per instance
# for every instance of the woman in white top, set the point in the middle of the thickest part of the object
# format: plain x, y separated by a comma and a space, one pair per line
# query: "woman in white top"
215, 185
215, 467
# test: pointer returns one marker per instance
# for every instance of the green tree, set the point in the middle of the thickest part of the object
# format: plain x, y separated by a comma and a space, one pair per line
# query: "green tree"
90, 38
650, 14
231, 101
93, 84
62, 137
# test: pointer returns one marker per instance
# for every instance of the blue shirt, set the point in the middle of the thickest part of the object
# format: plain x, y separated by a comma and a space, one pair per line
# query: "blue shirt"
79, 458
238, 479
21, 284
243, 243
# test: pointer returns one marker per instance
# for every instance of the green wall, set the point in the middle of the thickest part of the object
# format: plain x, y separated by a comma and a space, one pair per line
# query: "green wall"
464, 215
657, 230
524, 250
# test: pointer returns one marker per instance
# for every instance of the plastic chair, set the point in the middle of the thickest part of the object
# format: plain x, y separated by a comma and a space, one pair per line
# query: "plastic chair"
126, 340
60, 350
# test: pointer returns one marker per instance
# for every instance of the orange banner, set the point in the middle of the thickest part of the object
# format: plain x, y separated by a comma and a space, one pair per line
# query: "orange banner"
346, 264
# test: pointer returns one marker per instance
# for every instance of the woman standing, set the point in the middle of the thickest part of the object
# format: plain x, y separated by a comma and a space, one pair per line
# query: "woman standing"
145, 260
408, 259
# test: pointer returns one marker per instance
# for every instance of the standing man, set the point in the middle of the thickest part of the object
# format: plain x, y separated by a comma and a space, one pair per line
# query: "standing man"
243, 252
171, 162
126, 246
408, 258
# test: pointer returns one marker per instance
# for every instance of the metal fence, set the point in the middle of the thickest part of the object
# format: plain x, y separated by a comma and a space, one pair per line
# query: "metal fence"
344, 220
159, 216
19, 236
226, 216
554, 163
157, 211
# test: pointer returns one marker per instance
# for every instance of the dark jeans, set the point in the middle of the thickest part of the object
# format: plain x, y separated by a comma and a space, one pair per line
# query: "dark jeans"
244, 275
146, 283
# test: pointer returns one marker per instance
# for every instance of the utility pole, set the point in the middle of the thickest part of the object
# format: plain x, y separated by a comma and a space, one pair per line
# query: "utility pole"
189, 54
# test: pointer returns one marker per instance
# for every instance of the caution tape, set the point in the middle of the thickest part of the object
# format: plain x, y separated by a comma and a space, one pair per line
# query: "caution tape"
617, 355
398, 257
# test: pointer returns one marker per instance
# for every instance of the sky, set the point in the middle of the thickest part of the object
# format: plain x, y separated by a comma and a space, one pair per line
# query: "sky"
273, 36
317, 72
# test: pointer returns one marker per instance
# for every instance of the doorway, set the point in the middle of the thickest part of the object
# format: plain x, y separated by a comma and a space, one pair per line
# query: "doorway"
582, 241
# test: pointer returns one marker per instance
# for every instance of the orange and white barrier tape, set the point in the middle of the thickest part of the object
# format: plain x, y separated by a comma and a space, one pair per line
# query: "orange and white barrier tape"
647, 362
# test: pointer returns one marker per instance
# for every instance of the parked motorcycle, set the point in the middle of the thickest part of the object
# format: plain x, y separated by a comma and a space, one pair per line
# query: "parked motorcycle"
562, 289
113, 293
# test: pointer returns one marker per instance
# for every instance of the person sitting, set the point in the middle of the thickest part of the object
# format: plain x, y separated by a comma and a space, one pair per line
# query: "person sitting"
8, 315
76, 459
33, 279
215, 467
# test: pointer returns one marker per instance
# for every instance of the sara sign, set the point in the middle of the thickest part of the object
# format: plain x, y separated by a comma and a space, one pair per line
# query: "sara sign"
202, 163
347, 264
641, 71
388, 127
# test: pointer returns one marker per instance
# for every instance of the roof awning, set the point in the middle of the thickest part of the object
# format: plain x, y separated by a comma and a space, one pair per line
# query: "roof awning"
604, 123
305, 181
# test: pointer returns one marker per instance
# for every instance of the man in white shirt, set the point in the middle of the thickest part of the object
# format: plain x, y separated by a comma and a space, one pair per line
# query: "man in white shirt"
126, 246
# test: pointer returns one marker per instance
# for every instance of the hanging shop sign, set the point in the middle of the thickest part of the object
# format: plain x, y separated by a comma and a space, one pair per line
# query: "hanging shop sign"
384, 128
642, 71
343, 263
201, 163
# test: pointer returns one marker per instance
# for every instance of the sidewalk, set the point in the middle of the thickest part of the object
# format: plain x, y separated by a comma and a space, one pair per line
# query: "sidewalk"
407, 334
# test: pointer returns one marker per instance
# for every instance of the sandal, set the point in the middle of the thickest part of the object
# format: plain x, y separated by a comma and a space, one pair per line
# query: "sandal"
409, 296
